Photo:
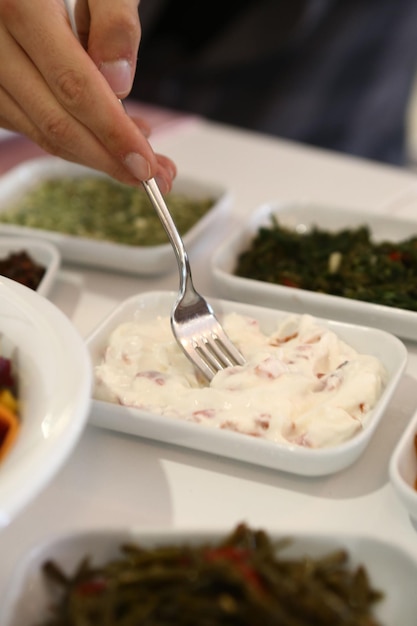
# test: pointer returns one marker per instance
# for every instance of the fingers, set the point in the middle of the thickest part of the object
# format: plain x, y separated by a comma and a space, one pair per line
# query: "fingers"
53, 92
113, 40
143, 126
165, 173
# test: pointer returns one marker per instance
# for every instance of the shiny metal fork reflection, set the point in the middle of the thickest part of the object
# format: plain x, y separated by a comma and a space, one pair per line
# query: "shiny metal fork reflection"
193, 321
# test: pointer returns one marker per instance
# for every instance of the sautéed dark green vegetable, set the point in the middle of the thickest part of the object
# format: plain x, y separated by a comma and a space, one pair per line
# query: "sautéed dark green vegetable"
346, 263
240, 581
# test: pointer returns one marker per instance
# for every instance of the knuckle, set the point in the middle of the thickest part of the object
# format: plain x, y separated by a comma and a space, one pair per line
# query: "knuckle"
125, 21
122, 26
70, 86
56, 131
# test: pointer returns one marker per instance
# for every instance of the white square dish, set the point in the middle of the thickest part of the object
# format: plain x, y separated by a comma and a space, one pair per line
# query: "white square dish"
403, 468
301, 218
296, 459
391, 570
146, 260
42, 252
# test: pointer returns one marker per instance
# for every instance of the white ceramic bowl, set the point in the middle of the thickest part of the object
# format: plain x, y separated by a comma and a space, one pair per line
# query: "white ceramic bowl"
301, 218
146, 260
403, 468
42, 252
390, 569
296, 459
54, 378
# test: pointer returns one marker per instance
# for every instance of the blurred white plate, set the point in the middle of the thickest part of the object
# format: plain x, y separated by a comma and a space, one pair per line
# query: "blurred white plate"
146, 260
403, 468
390, 568
295, 459
6, 134
54, 378
302, 217
42, 252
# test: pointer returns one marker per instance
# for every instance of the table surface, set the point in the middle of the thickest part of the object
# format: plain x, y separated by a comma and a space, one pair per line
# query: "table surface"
116, 480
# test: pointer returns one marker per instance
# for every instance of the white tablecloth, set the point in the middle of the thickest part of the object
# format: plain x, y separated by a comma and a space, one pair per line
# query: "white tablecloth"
115, 480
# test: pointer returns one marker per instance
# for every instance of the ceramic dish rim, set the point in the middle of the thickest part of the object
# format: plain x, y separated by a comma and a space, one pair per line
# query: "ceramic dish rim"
36, 248
314, 542
138, 260
395, 320
20, 482
405, 492
271, 450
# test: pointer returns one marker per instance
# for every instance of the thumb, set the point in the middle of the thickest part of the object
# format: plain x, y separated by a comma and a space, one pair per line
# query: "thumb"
113, 41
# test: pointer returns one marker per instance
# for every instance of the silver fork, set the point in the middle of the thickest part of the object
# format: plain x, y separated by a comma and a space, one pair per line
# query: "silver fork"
193, 322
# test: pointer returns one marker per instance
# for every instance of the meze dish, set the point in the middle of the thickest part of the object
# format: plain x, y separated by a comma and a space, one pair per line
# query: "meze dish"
300, 385
30, 262
9, 405
262, 413
355, 266
103, 209
243, 578
95, 221
347, 263
45, 387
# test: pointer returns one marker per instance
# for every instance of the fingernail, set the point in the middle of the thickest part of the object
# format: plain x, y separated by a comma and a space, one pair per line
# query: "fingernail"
138, 166
162, 184
172, 170
119, 75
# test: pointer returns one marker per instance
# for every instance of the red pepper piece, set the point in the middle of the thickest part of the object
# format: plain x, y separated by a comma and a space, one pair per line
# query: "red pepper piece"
288, 282
92, 587
239, 558
395, 255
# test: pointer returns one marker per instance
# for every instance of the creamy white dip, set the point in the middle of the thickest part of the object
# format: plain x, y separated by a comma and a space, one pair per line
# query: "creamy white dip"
301, 384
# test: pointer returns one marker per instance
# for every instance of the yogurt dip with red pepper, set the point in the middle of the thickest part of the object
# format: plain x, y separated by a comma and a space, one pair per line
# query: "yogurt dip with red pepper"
301, 384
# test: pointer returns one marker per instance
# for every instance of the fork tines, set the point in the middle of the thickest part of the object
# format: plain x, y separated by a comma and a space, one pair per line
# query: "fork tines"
217, 352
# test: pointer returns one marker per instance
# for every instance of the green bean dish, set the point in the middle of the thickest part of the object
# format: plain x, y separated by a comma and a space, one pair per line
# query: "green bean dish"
345, 263
102, 209
239, 581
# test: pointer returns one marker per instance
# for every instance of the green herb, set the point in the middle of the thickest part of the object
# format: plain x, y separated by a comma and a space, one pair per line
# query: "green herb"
346, 263
240, 581
102, 209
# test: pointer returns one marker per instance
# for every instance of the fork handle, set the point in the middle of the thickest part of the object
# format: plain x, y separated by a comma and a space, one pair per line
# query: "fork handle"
171, 230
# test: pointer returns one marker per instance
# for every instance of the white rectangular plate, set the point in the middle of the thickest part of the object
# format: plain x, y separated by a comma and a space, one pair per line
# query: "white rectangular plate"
142, 260
301, 217
403, 468
390, 569
295, 459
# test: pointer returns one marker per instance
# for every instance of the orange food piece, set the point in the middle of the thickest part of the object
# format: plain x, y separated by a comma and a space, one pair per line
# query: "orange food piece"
9, 428
8, 400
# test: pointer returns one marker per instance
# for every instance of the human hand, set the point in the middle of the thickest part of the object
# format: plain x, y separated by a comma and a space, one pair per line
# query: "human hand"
64, 96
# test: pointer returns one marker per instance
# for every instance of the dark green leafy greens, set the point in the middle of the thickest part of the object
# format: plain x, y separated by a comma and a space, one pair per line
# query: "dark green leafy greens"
346, 263
240, 581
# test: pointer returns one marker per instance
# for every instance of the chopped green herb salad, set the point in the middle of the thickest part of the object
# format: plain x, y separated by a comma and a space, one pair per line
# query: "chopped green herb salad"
240, 581
103, 209
346, 263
